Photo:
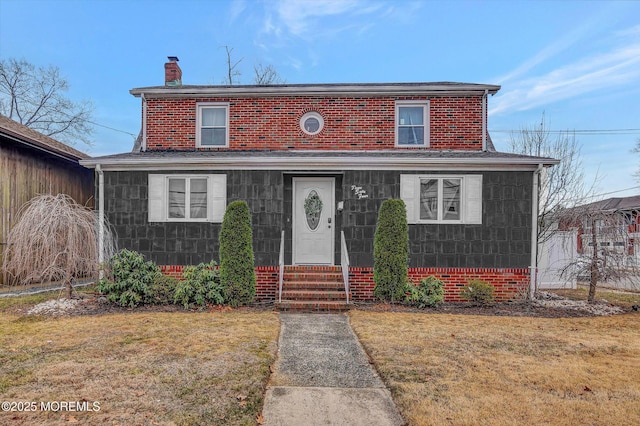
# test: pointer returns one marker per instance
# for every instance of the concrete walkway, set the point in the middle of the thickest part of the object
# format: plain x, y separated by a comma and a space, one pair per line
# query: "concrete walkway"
323, 377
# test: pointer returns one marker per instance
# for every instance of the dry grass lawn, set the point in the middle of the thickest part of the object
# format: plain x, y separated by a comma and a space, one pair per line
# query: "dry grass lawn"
142, 368
472, 370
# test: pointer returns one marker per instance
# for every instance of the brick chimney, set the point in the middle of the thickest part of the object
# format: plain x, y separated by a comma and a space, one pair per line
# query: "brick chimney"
172, 72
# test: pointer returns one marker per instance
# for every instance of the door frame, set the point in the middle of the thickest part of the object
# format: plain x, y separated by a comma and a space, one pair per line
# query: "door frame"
332, 234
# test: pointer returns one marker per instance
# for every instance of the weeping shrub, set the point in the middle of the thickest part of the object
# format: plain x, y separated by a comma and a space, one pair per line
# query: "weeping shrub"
391, 251
237, 273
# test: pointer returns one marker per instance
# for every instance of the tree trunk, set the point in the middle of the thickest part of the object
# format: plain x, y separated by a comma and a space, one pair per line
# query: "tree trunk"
68, 287
593, 282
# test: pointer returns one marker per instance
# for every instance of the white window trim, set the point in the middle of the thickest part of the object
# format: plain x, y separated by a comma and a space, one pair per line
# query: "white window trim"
470, 198
425, 119
205, 105
317, 116
158, 193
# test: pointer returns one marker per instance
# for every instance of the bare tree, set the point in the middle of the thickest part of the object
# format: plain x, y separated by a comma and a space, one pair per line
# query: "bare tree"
636, 149
55, 239
562, 186
265, 75
233, 74
36, 98
606, 254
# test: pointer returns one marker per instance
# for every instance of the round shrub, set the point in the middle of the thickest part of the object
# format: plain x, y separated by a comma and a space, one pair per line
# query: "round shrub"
237, 273
430, 292
129, 280
201, 285
391, 251
163, 290
479, 292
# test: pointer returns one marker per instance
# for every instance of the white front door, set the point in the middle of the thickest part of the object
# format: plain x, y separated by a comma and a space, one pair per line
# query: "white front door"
313, 220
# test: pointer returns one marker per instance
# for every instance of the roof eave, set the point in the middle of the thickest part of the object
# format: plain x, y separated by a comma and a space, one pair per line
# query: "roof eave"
24, 140
319, 90
317, 163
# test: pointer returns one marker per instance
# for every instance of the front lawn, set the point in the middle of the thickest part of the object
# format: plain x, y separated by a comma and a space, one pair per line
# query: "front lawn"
468, 370
141, 368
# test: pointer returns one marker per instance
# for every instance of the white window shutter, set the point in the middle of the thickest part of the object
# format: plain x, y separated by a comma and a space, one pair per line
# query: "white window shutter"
217, 194
157, 196
408, 185
473, 199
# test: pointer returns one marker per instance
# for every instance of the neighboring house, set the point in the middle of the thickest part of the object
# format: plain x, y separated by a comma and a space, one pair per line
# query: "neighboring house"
33, 164
569, 251
316, 161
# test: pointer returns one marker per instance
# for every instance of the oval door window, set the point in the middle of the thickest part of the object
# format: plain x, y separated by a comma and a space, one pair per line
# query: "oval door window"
313, 209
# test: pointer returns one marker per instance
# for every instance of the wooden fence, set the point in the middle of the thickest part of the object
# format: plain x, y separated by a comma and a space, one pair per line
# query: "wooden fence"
26, 173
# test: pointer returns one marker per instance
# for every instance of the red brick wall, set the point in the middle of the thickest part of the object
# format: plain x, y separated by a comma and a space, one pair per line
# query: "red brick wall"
266, 280
350, 123
509, 284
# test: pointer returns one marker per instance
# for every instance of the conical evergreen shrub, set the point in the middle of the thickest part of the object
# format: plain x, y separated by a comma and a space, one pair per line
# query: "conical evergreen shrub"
391, 251
237, 273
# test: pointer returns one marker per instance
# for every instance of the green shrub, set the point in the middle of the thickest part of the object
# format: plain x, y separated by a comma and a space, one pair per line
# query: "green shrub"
479, 292
430, 292
237, 273
201, 285
391, 251
163, 290
129, 280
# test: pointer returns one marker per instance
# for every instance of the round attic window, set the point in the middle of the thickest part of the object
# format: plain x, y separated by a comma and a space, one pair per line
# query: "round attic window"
312, 123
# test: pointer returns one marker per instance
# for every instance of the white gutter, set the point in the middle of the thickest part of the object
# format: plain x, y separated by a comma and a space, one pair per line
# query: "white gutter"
144, 123
533, 269
100, 219
484, 120
390, 89
258, 162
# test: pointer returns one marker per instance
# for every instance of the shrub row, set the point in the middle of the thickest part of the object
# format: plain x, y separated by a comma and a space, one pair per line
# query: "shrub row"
391, 261
130, 281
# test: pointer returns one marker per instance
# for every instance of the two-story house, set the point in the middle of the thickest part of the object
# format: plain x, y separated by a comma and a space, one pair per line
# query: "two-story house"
316, 161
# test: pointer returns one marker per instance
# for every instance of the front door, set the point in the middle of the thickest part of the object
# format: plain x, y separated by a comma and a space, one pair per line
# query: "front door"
313, 220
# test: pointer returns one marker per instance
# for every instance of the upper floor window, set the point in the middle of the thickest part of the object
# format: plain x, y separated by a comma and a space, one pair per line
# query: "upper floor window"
412, 123
212, 125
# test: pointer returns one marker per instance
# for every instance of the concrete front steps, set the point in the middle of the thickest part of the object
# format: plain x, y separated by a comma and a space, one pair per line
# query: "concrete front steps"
313, 289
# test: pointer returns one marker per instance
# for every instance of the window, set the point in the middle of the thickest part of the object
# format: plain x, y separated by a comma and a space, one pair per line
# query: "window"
192, 198
412, 124
312, 123
213, 125
187, 198
442, 199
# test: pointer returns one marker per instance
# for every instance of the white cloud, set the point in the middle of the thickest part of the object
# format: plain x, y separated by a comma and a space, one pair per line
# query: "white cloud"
605, 70
236, 9
308, 18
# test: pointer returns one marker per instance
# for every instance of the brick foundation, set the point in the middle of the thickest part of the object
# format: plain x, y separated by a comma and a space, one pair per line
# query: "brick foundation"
266, 280
509, 284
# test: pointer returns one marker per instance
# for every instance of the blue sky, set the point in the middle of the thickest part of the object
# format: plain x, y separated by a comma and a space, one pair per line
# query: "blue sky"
578, 62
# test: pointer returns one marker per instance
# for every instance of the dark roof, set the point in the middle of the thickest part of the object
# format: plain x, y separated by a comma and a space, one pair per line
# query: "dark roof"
318, 89
615, 204
25, 135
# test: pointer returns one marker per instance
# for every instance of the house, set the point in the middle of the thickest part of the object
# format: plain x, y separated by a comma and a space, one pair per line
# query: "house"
33, 164
315, 162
